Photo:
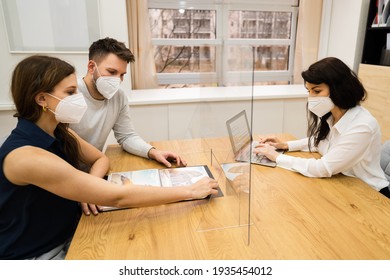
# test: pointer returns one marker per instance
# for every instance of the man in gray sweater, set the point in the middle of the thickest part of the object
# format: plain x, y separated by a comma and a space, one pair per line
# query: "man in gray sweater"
108, 107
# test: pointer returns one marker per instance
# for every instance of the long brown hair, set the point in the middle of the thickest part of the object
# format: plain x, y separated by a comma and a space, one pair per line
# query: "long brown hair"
36, 74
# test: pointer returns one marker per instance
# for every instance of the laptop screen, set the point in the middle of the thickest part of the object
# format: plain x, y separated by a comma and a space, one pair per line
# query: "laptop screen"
239, 132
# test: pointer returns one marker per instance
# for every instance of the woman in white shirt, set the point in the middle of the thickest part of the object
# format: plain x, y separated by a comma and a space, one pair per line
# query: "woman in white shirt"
346, 135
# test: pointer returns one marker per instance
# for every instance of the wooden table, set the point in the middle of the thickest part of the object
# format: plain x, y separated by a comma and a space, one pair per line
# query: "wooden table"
291, 217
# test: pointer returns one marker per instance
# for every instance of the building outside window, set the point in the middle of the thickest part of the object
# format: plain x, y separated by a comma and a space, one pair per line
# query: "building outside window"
202, 44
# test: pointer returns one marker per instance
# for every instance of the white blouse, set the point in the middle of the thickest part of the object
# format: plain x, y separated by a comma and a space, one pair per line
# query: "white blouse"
352, 147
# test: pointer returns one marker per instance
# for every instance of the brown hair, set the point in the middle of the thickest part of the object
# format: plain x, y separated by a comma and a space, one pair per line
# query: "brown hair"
36, 74
101, 48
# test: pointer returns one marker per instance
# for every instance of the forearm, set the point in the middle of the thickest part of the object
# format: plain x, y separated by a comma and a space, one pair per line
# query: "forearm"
127, 136
100, 167
309, 167
137, 146
145, 196
298, 145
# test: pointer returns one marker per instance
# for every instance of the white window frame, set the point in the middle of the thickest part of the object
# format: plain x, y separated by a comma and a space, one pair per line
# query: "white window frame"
221, 42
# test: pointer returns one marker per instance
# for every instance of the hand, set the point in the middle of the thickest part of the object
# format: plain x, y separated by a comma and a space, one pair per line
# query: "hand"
238, 177
266, 150
166, 157
241, 183
204, 187
240, 168
273, 141
88, 207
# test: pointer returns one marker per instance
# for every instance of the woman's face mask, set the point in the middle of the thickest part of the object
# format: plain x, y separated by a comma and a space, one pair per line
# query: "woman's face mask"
107, 85
70, 109
320, 105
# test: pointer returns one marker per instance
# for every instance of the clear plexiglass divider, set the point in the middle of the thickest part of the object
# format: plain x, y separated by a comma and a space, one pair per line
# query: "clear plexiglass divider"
230, 210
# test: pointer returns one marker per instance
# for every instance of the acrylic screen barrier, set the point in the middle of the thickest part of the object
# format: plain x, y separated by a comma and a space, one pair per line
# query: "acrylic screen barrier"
232, 210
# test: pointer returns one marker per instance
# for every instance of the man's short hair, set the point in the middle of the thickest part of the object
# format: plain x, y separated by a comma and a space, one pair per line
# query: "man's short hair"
103, 47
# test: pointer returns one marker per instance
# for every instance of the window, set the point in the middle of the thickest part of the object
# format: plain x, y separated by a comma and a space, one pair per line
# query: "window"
201, 44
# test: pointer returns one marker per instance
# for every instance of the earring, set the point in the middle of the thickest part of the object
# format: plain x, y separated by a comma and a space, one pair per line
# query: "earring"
43, 108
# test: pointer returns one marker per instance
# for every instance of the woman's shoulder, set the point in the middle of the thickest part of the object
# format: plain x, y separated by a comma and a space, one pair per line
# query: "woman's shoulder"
11, 143
364, 116
28, 151
364, 112
22, 158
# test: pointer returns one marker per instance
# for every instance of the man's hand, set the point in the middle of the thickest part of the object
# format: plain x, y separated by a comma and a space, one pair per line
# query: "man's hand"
166, 157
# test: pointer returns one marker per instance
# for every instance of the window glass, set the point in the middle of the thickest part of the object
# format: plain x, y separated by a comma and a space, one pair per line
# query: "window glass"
220, 44
184, 59
259, 25
182, 24
266, 58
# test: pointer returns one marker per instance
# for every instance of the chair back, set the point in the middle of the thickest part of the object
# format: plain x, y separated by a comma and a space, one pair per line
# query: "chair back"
385, 158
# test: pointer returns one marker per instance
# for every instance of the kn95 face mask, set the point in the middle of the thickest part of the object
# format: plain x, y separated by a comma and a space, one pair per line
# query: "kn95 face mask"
107, 85
70, 109
320, 105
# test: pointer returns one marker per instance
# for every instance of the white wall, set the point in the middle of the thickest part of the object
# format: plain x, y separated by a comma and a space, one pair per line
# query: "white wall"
204, 112
343, 30
113, 23
208, 120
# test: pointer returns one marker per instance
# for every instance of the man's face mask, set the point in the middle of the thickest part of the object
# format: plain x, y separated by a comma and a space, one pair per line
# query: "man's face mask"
107, 85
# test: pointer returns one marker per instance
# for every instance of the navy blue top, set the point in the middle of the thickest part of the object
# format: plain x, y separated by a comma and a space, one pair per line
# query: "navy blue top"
32, 220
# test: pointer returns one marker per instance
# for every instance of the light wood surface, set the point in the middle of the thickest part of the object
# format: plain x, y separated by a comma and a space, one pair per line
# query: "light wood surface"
376, 80
291, 217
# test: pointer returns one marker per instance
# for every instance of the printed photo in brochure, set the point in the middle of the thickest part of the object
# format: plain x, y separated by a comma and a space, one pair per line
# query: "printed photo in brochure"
168, 177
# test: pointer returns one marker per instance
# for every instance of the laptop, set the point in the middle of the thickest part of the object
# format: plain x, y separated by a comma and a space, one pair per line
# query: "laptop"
241, 141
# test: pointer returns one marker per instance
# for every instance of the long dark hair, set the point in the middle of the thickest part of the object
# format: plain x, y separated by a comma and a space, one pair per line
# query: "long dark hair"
36, 74
345, 89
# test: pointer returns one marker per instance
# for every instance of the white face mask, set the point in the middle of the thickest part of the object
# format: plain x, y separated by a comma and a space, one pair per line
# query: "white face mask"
70, 109
107, 85
320, 105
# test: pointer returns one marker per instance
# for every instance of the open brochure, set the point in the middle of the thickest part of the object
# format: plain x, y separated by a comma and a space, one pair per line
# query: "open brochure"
168, 177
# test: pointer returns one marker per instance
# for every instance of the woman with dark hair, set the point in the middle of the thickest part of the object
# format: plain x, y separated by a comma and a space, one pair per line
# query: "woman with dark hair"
346, 135
40, 180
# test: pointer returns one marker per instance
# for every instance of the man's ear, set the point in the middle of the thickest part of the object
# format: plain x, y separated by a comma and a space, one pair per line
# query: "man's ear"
91, 67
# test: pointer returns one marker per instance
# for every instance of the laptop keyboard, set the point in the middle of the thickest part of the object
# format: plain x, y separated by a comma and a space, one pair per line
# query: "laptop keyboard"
257, 157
